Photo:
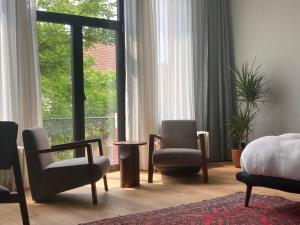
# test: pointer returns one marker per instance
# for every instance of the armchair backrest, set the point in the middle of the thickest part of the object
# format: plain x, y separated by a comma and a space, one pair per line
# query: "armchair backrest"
179, 134
8, 143
36, 139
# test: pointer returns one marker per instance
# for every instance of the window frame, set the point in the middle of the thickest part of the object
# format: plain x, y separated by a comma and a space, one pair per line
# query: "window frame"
76, 24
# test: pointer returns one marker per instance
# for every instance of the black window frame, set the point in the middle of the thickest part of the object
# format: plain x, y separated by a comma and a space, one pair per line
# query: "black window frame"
76, 24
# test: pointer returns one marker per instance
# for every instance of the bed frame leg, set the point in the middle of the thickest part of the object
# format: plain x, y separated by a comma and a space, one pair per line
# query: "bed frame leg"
248, 194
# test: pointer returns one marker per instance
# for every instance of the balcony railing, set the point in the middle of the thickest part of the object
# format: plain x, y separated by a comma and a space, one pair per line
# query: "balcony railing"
60, 130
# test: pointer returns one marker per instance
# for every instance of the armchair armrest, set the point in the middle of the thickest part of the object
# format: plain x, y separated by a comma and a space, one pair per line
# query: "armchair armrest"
152, 138
156, 136
60, 148
68, 146
82, 142
78, 142
204, 158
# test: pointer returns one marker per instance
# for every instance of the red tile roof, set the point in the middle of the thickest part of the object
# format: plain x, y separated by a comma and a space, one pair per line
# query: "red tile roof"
105, 56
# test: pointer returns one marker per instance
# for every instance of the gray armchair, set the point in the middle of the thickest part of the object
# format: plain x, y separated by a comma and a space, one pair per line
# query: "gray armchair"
179, 151
48, 177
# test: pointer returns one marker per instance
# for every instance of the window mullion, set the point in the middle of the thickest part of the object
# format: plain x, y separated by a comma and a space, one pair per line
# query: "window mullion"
77, 85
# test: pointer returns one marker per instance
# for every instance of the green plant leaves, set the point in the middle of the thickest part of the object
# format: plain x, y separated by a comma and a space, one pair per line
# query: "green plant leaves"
250, 86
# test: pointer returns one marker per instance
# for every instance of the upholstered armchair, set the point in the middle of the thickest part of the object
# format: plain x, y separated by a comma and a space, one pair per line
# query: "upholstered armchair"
9, 158
48, 177
179, 151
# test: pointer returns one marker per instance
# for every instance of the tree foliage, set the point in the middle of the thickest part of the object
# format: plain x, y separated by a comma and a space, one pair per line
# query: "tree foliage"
104, 9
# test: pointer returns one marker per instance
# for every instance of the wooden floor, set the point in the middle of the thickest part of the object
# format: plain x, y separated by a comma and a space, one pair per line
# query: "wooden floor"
75, 206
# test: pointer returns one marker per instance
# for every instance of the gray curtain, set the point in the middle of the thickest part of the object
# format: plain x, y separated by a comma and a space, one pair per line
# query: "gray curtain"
213, 83
200, 61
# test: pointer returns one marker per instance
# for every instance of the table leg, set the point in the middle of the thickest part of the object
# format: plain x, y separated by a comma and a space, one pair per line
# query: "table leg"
136, 167
129, 166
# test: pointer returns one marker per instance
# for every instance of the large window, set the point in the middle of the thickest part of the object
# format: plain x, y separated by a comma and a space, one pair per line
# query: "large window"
81, 49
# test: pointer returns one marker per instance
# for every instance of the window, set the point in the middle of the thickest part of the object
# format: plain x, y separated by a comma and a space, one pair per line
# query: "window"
81, 50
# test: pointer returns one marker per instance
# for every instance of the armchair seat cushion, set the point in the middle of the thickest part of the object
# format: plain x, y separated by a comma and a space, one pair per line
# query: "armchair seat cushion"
72, 173
75, 166
4, 191
177, 157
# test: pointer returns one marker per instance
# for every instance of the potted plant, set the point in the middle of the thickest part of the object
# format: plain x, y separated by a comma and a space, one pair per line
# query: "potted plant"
250, 87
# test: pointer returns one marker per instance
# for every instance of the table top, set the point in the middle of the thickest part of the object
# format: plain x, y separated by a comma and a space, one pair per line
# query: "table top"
130, 142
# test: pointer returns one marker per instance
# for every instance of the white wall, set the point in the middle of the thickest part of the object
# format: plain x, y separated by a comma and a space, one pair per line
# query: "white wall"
270, 31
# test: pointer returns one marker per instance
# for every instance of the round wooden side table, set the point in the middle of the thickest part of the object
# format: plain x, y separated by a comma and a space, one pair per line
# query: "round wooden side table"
130, 162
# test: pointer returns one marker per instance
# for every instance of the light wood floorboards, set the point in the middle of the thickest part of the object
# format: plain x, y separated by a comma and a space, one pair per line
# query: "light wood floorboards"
76, 206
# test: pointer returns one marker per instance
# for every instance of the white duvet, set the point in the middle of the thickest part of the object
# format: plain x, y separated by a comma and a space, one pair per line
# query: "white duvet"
275, 156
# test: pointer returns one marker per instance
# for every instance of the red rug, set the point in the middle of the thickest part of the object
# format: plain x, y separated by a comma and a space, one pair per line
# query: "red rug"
220, 211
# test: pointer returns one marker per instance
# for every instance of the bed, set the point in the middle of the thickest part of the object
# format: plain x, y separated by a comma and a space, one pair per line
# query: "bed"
271, 162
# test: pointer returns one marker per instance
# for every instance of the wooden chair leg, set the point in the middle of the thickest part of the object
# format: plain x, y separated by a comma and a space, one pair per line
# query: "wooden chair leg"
203, 158
105, 183
20, 190
93, 182
150, 163
150, 176
205, 174
94, 193
150, 172
248, 194
24, 212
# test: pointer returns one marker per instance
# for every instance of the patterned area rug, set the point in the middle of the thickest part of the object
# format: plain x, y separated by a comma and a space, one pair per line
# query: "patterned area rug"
220, 211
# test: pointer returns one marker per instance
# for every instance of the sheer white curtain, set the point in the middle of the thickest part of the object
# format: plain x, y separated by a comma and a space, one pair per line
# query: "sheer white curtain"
19, 69
141, 114
159, 65
175, 90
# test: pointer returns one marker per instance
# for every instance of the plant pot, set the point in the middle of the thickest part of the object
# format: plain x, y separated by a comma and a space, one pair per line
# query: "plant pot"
236, 156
